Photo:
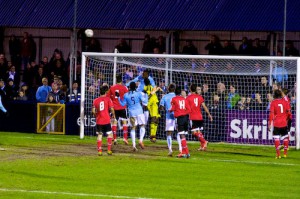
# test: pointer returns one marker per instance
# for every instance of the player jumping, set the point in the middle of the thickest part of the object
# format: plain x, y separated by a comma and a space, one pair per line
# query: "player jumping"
120, 111
152, 108
133, 100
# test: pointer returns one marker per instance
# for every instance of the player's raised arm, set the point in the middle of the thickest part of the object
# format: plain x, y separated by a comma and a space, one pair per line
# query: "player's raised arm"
134, 80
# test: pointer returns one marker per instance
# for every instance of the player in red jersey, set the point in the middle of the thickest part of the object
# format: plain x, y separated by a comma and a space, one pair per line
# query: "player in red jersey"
195, 102
120, 111
181, 112
287, 99
101, 108
279, 112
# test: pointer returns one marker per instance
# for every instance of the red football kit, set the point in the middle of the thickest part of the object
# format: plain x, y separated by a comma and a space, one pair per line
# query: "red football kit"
195, 102
287, 99
111, 93
279, 112
102, 106
180, 106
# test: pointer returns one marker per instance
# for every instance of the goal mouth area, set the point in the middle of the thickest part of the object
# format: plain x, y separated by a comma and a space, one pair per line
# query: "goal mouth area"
243, 73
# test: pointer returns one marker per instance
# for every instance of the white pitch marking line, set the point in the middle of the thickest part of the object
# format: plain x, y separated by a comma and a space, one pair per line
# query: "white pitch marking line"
72, 194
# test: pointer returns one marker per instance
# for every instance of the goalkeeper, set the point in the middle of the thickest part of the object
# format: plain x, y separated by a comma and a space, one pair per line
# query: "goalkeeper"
152, 107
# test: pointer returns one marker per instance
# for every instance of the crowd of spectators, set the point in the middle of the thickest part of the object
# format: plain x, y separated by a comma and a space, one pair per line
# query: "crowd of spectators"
22, 78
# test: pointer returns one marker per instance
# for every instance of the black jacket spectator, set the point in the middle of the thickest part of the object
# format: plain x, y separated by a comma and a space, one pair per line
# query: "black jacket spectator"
214, 47
123, 47
189, 48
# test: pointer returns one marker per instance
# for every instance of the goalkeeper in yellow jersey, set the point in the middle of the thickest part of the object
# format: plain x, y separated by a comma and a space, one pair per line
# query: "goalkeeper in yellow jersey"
152, 107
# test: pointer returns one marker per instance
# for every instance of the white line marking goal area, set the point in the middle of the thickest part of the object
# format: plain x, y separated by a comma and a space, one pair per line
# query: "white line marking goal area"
71, 194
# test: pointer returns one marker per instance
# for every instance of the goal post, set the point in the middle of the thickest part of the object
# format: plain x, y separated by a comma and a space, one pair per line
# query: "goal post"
236, 89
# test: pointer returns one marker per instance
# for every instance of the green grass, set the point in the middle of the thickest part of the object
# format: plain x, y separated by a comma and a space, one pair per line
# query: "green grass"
55, 166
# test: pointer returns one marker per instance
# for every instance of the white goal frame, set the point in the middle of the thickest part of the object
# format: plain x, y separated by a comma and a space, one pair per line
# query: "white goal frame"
168, 67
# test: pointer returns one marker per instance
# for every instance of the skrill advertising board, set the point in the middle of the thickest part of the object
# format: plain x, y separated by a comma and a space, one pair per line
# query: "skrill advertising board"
251, 127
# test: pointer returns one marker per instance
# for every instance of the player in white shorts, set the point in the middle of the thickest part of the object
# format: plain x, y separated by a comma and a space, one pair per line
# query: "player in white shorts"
133, 100
165, 103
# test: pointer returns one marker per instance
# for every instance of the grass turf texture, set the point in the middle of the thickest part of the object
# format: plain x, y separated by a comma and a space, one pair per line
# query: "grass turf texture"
56, 166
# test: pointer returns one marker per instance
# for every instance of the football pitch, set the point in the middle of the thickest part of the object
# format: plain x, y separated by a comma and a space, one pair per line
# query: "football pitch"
56, 166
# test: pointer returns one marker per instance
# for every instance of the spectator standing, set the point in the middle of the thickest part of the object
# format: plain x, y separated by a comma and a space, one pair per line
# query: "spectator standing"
290, 50
148, 45
258, 49
161, 44
189, 48
15, 76
123, 47
28, 75
27, 48
75, 96
279, 73
21, 96
3, 66
39, 77
245, 48
14, 51
42, 91
57, 93
33, 51
214, 47
94, 45
229, 49
51, 125
11, 90
233, 98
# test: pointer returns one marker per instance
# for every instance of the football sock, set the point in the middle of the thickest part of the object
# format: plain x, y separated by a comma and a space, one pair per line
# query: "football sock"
179, 143
125, 131
132, 134
286, 145
153, 129
142, 133
185, 150
109, 141
114, 130
201, 139
169, 141
99, 145
277, 147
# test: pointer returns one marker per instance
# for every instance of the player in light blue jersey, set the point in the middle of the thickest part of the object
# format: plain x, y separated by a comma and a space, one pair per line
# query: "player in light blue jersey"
141, 79
133, 101
165, 103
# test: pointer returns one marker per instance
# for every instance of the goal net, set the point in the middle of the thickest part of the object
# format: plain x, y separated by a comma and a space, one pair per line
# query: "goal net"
237, 90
